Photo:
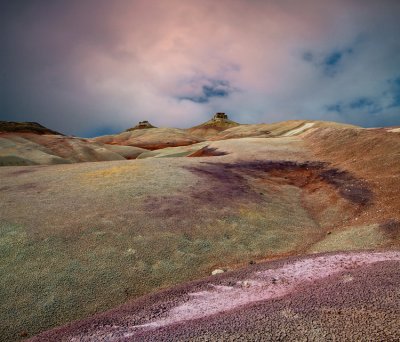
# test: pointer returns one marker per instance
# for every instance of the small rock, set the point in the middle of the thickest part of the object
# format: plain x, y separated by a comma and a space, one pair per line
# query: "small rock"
130, 251
217, 271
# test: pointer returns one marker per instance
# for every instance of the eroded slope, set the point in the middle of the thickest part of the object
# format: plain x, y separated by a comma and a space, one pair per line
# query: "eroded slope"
46, 149
83, 238
344, 296
151, 138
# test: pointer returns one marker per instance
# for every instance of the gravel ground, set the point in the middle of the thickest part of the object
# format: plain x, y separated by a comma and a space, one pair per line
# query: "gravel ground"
345, 296
79, 239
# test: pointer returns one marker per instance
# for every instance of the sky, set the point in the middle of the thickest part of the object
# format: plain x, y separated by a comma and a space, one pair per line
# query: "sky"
93, 67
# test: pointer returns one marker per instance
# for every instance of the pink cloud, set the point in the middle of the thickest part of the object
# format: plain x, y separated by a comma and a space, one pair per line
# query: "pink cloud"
124, 61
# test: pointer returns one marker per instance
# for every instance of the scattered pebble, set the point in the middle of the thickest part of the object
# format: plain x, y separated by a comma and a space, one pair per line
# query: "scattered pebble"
217, 271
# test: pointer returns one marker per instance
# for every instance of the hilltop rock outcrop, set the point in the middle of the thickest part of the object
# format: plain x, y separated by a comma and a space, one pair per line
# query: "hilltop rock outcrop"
141, 125
217, 124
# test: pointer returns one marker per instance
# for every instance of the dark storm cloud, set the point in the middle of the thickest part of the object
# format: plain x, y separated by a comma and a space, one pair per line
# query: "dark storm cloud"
89, 67
42, 44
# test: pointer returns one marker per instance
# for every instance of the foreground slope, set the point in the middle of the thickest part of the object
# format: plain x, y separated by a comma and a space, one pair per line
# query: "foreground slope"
82, 238
344, 296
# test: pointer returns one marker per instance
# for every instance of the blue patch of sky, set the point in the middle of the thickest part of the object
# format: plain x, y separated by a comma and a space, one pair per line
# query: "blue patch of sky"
335, 107
308, 56
333, 59
365, 104
361, 102
99, 131
394, 91
213, 88
331, 62
370, 105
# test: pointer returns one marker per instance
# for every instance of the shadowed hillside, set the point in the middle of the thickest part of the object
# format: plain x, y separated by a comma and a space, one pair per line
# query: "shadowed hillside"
25, 127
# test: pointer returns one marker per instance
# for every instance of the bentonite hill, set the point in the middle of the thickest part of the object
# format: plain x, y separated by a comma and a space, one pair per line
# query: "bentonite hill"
224, 231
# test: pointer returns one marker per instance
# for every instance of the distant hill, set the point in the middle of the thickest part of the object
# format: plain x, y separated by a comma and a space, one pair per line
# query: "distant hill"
276, 129
29, 143
151, 139
25, 127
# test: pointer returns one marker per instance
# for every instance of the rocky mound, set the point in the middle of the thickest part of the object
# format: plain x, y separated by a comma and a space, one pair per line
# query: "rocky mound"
25, 127
141, 125
218, 123
151, 139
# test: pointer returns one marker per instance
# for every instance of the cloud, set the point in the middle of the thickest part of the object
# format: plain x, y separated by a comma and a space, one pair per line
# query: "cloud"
83, 67
365, 103
377, 107
362, 104
208, 90
331, 62
394, 92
